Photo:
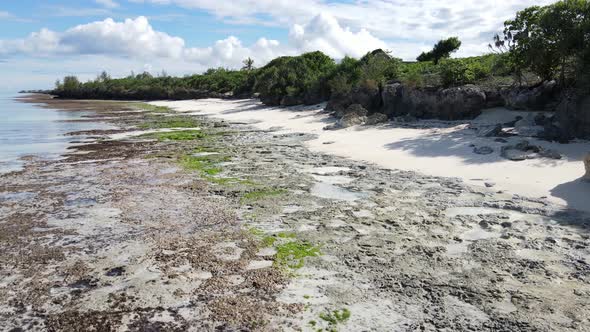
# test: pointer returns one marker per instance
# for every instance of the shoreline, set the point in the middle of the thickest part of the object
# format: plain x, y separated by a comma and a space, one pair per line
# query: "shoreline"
439, 148
232, 227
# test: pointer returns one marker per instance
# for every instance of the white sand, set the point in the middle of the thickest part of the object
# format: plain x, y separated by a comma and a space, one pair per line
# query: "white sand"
443, 151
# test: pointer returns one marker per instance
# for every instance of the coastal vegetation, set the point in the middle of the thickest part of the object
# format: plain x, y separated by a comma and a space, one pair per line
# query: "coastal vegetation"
541, 44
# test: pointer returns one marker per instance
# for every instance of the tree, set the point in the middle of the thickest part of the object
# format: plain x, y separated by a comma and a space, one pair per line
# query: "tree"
549, 40
248, 64
71, 83
441, 50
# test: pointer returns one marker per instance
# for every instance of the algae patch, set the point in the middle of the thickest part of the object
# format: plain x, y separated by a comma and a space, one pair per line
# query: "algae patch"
150, 108
261, 194
292, 254
183, 135
161, 122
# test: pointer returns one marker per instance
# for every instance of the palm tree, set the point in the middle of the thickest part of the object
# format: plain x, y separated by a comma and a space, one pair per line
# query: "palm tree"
248, 64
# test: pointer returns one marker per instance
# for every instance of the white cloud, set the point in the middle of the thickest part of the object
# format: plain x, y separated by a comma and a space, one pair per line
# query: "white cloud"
107, 3
132, 37
136, 38
324, 33
399, 22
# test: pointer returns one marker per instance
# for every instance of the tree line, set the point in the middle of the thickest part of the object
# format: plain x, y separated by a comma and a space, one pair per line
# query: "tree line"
540, 43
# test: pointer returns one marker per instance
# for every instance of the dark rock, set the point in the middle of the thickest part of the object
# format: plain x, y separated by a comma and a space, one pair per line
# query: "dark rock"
406, 118
513, 122
376, 119
291, 101
354, 114
115, 272
351, 119
483, 150
514, 154
543, 97
312, 98
465, 102
551, 154
489, 184
524, 150
368, 96
493, 99
490, 131
356, 109
506, 224
572, 117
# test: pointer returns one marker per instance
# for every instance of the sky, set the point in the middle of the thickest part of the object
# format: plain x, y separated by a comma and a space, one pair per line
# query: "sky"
41, 41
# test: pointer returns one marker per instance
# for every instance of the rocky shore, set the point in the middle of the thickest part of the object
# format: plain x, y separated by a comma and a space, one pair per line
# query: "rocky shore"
180, 222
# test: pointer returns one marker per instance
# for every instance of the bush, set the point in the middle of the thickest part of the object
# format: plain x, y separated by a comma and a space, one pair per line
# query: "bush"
301, 77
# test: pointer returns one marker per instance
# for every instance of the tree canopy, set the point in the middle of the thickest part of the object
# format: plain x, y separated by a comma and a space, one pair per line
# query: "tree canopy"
442, 50
552, 40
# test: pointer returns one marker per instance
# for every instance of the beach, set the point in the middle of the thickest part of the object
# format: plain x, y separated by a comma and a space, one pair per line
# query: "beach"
175, 222
434, 148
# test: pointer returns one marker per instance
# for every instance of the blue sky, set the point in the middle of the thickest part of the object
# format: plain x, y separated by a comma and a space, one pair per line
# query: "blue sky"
41, 41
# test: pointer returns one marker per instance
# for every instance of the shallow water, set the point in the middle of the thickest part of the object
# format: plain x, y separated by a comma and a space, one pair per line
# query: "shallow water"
26, 129
330, 191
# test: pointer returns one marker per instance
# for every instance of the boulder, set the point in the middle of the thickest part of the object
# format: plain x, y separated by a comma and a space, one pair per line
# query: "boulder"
291, 101
587, 165
354, 115
572, 119
350, 120
368, 96
356, 109
542, 97
490, 131
551, 154
483, 150
524, 150
465, 102
376, 119
313, 98
493, 98
514, 154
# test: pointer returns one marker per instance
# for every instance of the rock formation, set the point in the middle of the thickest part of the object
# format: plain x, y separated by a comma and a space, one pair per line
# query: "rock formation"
587, 165
464, 102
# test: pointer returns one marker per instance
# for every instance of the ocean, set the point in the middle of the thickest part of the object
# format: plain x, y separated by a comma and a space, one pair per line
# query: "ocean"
27, 129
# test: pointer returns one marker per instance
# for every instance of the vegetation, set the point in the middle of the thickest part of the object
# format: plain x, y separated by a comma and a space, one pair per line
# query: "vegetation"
336, 317
292, 254
262, 194
207, 165
294, 80
551, 42
441, 50
170, 122
183, 135
213, 82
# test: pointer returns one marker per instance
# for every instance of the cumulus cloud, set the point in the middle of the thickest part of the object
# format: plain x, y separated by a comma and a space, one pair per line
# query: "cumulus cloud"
132, 37
136, 38
401, 22
324, 33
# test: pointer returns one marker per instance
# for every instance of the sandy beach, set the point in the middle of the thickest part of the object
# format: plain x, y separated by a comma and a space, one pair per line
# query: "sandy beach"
440, 149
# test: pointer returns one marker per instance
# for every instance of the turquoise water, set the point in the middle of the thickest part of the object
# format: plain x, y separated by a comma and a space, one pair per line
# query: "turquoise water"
26, 129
